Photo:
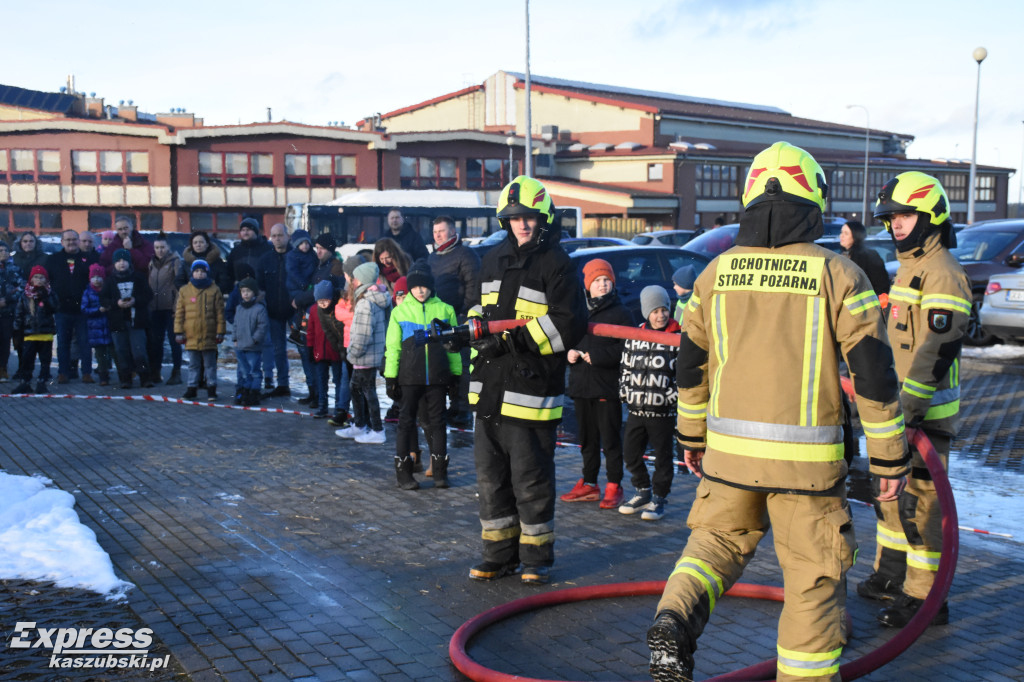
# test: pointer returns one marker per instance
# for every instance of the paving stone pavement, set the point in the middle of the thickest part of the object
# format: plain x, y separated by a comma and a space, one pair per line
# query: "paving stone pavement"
263, 547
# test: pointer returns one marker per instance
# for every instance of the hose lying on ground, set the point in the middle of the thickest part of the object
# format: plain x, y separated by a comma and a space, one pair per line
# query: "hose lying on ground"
765, 670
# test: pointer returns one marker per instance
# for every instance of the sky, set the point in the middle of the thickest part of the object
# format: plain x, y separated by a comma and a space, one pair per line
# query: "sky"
909, 63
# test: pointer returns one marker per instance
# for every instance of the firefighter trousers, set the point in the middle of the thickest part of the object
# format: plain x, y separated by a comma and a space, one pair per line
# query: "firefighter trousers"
815, 546
515, 470
909, 533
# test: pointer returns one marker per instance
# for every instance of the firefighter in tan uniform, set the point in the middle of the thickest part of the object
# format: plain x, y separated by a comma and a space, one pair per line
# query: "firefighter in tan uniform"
776, 313
931, 304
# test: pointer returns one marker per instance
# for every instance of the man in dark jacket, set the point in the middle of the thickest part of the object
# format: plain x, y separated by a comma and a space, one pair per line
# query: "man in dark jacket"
456, 271
127, 238
270, 276
518, 381
851, 238
249, 249
69, 276
406, 237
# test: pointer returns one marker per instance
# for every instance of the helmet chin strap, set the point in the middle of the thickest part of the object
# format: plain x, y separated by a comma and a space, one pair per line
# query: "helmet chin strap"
914, 240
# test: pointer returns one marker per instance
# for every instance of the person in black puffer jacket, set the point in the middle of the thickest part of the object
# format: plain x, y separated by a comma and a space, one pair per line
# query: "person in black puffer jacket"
594, 388
35, 320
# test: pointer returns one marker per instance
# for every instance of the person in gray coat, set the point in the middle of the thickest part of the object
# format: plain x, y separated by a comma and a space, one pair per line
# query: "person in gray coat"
251, 327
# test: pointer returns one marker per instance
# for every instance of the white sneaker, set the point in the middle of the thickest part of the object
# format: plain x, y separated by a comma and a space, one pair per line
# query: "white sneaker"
372, 437
352, 431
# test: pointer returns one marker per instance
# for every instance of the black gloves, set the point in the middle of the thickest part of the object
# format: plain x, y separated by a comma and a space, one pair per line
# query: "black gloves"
393, 389
491, 347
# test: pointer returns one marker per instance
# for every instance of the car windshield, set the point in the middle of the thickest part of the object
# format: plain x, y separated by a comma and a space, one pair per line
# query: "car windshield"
974, 246
713, 242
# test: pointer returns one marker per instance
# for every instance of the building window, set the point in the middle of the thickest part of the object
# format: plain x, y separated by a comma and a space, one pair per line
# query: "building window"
32, 221
320, 170
487, 173
716, 181
144, 220
235, 168
655, 172
420, 172
110, 167
29, 165
219, 222
955, 185
985, 188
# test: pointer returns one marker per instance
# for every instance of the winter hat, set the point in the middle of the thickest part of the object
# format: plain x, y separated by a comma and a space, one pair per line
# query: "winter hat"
300, 236
684, 277
250, 284
366, 273
122, 254
109, 234
200, 264
251, 223
597, 268
401, 286
351, 263
96, 270
38, 270
420, 277
324, 289
652, 298
326, 240
244, 271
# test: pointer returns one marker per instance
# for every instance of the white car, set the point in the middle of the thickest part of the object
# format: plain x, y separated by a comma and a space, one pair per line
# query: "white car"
1002, 309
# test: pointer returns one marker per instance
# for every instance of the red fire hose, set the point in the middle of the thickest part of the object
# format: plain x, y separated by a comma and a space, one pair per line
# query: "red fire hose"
762, 671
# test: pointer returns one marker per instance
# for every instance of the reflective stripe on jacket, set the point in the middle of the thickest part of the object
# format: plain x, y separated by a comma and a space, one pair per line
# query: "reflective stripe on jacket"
758, 371
931, 306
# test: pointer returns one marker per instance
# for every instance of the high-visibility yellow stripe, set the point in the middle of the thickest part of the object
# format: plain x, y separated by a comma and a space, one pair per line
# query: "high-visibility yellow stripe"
763, 449
528, 309
905, 295
810, 379
862, 302
946, 301
531, 413
886, 429
943, 411
489, 299
693, 303
496, 534
688, 411
542, 539
539, 337
917, 388
892, 539
474, 398
927, 561
720, 337
703, 572
803, 664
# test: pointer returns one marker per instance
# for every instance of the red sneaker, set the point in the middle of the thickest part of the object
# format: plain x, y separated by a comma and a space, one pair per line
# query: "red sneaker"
613, 496
582, 492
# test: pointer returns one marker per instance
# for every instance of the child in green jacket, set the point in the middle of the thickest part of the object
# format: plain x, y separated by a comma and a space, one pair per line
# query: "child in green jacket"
415, 374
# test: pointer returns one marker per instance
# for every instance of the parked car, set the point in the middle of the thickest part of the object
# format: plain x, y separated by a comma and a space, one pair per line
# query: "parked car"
639, 266
714, 242
986, 249
664, 238
179, 241
882, 244
1002, 310
576, 243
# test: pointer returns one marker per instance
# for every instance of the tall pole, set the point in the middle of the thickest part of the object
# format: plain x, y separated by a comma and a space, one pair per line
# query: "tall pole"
979, 56
528, 161
1020, 190
867, 149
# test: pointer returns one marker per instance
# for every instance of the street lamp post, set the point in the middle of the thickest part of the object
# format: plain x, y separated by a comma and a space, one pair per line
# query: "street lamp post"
867, 149
1020, 190
528, 155
979, 56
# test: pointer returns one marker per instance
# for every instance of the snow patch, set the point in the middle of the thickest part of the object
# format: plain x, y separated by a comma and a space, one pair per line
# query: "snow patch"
998, 352
43, 539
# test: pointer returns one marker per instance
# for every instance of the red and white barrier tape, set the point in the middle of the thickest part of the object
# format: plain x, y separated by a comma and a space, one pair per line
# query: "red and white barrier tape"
154, 399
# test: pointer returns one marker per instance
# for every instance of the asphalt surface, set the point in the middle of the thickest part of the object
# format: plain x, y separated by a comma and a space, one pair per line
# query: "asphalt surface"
263, 547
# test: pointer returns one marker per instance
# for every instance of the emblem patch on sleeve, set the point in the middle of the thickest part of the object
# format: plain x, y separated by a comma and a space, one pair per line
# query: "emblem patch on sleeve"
940, 321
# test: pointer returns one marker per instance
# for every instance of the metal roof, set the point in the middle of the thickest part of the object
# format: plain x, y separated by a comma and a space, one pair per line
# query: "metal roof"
36, 99
597, 87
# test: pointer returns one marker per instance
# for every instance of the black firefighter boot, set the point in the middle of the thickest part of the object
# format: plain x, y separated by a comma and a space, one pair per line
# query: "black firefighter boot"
672, 648
403, 471
439, 467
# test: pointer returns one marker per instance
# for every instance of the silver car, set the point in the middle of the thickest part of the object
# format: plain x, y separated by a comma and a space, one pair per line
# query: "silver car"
1002, 309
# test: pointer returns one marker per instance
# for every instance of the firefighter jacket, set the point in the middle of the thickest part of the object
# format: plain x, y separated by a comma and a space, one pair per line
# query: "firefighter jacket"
758, 370
931, 305
647, 380
424, 365
536, 282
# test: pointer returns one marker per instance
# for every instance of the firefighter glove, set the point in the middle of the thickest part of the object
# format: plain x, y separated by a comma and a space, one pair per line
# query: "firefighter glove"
490, 347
